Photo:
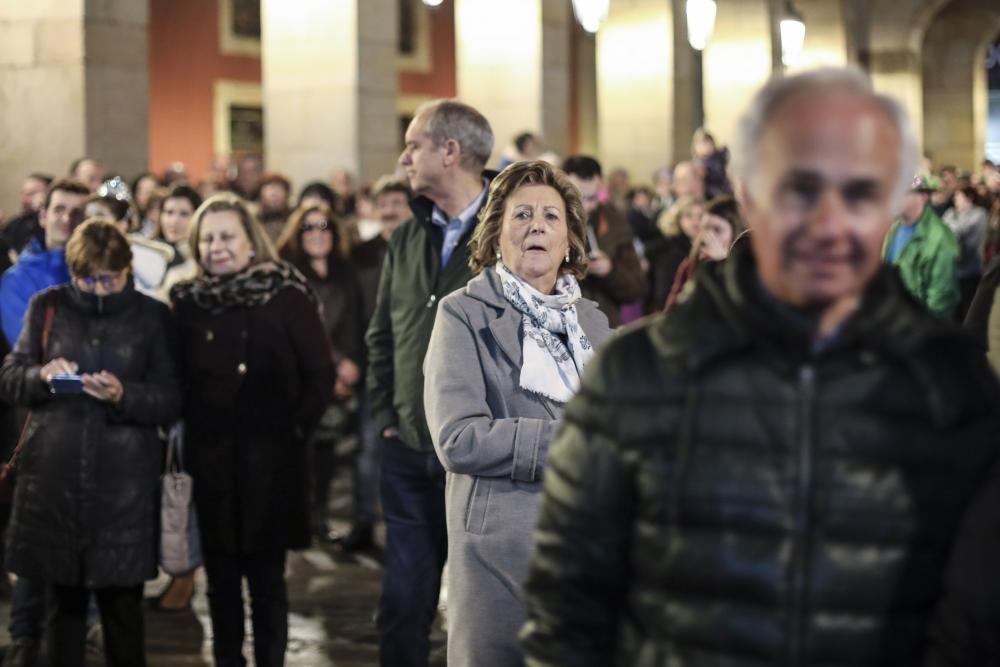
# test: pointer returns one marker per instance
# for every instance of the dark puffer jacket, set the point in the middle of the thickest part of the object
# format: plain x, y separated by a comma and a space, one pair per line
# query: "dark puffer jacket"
85, 506
722, 494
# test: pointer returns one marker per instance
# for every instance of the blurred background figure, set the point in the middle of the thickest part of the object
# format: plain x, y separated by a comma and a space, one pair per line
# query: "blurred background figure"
312, 243
679, 226
969, 222
525, 146
714, 162
89, 171
273, 204
614, 277
344, 186
721, 224
246, 183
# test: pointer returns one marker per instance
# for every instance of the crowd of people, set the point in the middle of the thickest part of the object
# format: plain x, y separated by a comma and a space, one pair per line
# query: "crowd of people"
725, 416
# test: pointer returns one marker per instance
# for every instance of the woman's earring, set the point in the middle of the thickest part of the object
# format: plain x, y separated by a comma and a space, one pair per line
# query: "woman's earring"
498, 254
567, 255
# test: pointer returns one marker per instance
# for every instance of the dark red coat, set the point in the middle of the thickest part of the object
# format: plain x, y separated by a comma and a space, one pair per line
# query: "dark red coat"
256, 381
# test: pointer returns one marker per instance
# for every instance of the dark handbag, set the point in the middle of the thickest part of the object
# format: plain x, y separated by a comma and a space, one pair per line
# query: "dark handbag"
8, 471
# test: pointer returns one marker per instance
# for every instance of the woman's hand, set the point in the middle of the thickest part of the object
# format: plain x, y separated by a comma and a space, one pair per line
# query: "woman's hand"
348, 375
58, 366
103, 386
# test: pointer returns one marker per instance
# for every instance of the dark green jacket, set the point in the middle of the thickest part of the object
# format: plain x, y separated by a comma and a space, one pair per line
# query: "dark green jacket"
723, 494
928, 263
411, 286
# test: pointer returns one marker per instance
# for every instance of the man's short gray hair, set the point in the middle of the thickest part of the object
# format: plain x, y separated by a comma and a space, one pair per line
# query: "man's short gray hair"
451, 119
746, 159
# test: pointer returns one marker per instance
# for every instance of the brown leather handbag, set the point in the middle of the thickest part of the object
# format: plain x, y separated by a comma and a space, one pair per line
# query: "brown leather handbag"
8, 471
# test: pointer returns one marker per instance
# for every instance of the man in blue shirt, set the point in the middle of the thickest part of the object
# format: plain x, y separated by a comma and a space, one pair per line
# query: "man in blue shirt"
40, 267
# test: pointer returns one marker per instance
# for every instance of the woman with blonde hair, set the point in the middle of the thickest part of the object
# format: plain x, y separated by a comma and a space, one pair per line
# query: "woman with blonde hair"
679, 225
257, 374
505, 356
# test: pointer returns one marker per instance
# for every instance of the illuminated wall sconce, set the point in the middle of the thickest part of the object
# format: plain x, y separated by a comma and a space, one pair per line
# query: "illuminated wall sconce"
591, 13
700, 22
433, 3
793, 35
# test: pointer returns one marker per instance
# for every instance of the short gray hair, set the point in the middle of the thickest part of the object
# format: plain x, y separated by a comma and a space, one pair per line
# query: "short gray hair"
451, 119
746, 160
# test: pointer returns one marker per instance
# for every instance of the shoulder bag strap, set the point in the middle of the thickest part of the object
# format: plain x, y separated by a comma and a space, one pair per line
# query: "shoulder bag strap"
50, 311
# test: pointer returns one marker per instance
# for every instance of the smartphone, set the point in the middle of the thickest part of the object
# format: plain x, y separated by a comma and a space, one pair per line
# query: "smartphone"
66, 384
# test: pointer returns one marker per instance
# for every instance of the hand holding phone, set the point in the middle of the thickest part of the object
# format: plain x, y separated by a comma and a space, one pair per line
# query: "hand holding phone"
103, 386
66, 384
55, 367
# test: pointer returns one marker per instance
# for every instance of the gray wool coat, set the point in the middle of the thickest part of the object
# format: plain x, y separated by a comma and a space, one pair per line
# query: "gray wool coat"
493, 439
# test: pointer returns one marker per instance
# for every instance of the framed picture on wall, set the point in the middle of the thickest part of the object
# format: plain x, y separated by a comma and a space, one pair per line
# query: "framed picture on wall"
238, 125
239, 27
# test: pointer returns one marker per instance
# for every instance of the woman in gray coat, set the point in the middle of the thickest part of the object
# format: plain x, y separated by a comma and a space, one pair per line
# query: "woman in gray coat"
504, 358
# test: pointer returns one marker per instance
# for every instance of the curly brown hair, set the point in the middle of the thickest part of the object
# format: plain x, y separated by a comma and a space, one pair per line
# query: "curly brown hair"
486, 238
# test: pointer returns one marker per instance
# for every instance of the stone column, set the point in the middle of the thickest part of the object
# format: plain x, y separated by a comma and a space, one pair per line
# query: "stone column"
740, 58
329, 83
512, 64
73, 81
636, 87
955, 88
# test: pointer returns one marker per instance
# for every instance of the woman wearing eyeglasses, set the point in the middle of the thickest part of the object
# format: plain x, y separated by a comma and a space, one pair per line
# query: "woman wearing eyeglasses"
85, 507
257, 372
311, 242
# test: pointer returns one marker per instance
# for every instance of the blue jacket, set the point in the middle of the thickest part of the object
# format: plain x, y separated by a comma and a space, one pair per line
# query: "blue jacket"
36, 269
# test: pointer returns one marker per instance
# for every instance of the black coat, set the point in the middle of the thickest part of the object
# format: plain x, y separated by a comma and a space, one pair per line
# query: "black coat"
256, 381
722, 494
85, 506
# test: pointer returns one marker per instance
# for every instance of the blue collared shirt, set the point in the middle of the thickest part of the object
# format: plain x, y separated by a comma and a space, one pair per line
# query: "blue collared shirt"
455, 229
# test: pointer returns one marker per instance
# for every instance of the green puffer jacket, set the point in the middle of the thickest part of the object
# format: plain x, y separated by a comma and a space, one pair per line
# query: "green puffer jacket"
928, 263
722, 494
410, 289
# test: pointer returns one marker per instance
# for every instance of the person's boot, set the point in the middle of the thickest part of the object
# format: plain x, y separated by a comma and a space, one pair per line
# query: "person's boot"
361, 538
21, 653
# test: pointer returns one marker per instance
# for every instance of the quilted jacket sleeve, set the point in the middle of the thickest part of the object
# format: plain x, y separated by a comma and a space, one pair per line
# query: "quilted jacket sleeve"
579, 573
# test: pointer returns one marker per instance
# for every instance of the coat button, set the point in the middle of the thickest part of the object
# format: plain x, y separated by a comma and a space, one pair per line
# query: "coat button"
243, 334
242, 369
209, 336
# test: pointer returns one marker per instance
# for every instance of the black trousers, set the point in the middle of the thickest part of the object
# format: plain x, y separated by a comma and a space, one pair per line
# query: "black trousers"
121, 620
265, 574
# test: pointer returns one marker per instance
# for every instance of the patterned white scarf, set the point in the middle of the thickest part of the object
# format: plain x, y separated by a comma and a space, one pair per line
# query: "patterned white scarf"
549, 368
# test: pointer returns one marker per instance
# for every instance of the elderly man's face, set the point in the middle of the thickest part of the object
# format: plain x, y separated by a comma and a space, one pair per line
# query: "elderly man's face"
822, 202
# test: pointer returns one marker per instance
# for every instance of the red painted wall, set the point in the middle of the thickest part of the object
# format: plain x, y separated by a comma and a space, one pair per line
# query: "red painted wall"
440, 81
184, 62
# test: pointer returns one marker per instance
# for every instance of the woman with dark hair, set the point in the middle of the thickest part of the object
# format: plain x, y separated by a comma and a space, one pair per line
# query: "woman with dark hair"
505, 356
85, 506
257, 376
150, 258
174, 224
311, 242
317, 193
969, 221
144, 187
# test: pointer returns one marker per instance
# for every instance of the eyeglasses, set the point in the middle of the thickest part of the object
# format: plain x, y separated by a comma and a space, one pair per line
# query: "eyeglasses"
107, 281
315, 226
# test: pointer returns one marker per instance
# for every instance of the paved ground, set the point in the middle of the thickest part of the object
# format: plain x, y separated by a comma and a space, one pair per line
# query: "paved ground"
332, 597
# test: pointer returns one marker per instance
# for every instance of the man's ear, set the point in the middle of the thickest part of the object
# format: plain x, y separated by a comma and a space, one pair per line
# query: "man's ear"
452, 152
